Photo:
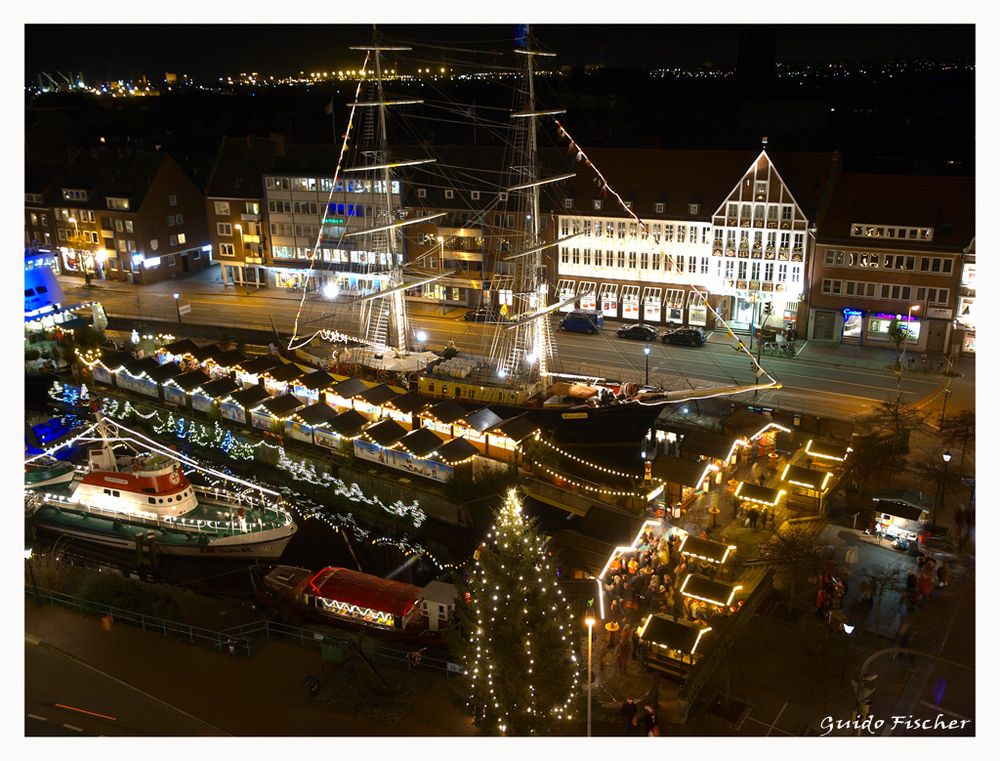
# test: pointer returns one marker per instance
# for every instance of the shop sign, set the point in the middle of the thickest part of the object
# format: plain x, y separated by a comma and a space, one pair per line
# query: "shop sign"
939, 312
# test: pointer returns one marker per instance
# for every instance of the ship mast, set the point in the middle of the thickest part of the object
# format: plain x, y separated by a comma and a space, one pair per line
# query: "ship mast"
531, 345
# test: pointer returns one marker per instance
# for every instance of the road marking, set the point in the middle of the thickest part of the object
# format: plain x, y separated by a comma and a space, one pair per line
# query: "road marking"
81, 710
31, 639
776, 729
73, 727
36, 717
944, 710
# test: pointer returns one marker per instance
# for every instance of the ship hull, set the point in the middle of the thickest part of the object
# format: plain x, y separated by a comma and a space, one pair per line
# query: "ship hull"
119, 534
625, 423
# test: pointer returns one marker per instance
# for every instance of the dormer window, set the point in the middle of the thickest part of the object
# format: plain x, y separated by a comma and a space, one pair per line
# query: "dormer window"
567, 203
421, 192
449, 194
119, 204
74, 195
694, 208
628, 204
597, 204
660, 207
33, 198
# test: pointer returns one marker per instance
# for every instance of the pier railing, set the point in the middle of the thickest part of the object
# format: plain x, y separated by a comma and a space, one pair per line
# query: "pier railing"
244, 640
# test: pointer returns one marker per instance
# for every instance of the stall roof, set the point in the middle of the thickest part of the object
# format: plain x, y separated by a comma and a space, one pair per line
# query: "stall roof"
190, 380
164, 372
706, 549
317, 379
745, 423
317, 414
708, 444
230, 358
348, 423
259, 364
220, 387
386, 433
703, 588
364, 591
827, 451
457, 450
202, 353
806, 477
791, 441
447, 411
761, 494
116, 359
421, 442
902, 503
378, 395
517, 428
409, 402
677, 470
250, 396
483, 419
139, 366
184, 346
281, 406
349, 388
285, 372
662, 629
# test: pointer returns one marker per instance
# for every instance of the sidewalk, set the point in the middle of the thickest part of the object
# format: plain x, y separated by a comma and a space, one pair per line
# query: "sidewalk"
260, 696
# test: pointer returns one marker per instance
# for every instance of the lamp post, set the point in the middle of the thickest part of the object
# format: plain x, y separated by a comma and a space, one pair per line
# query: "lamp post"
947, 393
31, 572
946, 456
243, 259
590, 620
906, 338
645, 350
177, 303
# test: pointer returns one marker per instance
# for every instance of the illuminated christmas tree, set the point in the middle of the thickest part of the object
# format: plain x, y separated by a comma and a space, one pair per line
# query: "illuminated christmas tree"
520, 657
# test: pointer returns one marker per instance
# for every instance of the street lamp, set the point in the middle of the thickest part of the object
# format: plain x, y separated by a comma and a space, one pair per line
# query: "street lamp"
590, 620
906, 338
946, 456
645, 350
947, 393
177, 304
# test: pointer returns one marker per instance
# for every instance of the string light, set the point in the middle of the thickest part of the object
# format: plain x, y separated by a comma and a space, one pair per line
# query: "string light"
595, 466
562, 477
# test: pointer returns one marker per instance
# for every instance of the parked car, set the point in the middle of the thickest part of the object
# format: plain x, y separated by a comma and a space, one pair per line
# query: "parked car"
582, 321
484, 315
684, 336
637, 332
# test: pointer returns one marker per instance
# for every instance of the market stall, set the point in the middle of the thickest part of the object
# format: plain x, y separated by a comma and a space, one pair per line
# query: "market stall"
671, 646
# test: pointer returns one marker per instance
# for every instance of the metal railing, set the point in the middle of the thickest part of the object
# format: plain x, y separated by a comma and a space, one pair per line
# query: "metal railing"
245, 639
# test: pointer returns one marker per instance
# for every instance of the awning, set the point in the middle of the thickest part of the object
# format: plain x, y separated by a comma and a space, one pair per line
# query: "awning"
456, 451
386, 433
706, 549
665, 631
761, 495
364, 591
707, 590
421, 442
901, 503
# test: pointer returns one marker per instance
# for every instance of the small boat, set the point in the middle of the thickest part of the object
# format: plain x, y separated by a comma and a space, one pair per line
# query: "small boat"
50, 473
357, 600
147, 501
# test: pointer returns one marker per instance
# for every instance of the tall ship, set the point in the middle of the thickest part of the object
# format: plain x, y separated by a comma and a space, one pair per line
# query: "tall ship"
517, 369
125, 502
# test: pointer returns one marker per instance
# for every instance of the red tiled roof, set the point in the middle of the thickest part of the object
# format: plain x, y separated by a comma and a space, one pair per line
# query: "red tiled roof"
945, 203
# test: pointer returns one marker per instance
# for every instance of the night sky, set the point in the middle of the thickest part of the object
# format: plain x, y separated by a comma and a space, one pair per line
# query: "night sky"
209, 50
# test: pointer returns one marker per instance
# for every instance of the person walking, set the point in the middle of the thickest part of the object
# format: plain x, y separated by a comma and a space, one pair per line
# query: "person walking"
648, 720
629, 711
623, 651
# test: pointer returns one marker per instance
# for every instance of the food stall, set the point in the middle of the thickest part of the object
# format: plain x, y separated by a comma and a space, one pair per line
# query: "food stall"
670, 646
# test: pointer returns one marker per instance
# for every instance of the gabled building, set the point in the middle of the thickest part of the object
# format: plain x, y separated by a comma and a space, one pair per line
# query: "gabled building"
40, 188
726, 228
234, 199
893, 247
126, 215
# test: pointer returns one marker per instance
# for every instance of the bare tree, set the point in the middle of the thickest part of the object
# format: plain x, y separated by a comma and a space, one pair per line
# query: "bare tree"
793, 550
882, 580
932, 470
895, 419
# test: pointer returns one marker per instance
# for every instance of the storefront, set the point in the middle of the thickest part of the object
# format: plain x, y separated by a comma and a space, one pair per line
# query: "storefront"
853, 328
697, 308
675, 306
630, 302
898, 517
588, 299
609, 299
651, 304
877, 328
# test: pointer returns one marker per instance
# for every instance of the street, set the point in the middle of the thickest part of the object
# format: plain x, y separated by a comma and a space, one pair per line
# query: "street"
808, 386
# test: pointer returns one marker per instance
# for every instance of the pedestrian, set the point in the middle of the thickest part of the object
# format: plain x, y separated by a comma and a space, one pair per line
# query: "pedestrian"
648, 720
629, 711
762, 479
943, 573
623, 652
909, 361
923, 361
754, 517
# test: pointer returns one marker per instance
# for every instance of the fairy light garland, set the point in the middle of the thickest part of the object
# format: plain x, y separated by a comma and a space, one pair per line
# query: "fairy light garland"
605, 185
611, 492
595, 466
510, 536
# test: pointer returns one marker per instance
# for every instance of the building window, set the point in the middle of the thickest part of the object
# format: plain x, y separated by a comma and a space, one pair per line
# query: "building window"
118, 225
694, 208
597, 204
222, 208
786, 213
227, 249
170, 220
225, 228
449, 194
474, 195
250, 207
660, 207
171, 261
567, 203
